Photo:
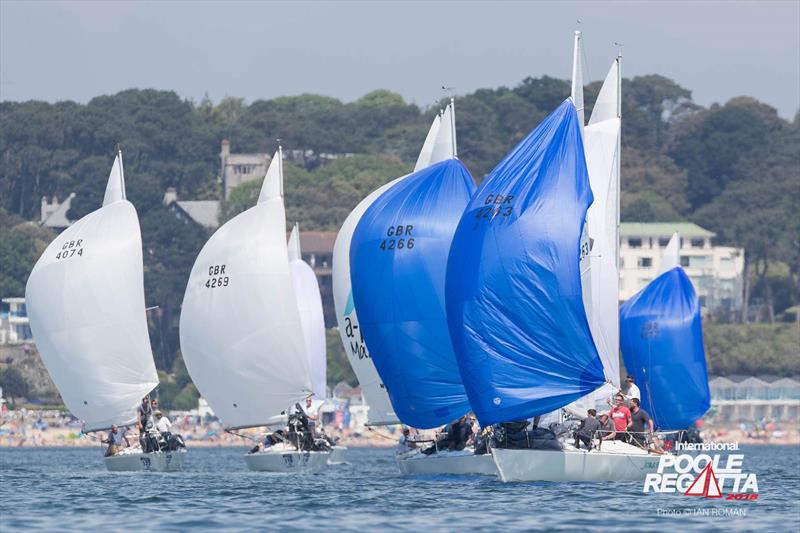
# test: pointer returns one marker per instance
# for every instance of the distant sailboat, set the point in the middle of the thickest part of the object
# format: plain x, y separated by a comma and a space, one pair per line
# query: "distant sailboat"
438, 146
662, 344
242, 336
85, 299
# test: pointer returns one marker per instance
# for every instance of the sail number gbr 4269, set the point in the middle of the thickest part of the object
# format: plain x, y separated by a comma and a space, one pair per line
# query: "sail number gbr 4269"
216, 277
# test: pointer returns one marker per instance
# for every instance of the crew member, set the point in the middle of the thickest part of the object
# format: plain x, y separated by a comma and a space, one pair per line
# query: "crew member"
621, 417
115, 440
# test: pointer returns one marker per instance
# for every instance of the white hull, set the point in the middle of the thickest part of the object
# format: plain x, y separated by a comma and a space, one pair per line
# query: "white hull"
615, 461
338, 455
446, 462
145, 462
282, 460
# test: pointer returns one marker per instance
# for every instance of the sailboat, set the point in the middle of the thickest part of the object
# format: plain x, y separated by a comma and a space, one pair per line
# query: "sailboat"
309, 303
662, 344
381, 413
241, 332
398, 258
85, 299
516, 301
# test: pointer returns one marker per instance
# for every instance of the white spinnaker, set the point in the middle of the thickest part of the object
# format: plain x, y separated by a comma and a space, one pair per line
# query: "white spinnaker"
381, 411
85, 299
671, 256
309, 303
602, 160
240, 329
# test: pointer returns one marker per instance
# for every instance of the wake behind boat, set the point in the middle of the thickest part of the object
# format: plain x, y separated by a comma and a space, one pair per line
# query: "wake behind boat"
85, 300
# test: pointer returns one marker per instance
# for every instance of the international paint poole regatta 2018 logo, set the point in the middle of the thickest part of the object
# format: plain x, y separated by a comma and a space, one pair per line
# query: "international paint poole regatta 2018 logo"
705, 475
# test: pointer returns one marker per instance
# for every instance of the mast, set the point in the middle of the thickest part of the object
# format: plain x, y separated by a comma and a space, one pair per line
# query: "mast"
280, 165
453, 126
577, 78
121, 174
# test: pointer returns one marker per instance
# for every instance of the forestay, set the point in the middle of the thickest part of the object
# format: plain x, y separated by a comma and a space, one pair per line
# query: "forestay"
662, 344
309, 303
85, 300
241, 334
381, 411
398, 259
514, 300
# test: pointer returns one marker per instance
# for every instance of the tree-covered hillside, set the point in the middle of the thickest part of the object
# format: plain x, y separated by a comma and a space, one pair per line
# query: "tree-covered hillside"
732, 168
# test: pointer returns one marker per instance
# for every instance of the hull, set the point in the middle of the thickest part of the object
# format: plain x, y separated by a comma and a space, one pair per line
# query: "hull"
447, 463
145, 462
287, 461
338, 455
615, 461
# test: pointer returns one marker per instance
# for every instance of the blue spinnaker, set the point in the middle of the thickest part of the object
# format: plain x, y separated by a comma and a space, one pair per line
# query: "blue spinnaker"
398, 262
514, 302
661, 337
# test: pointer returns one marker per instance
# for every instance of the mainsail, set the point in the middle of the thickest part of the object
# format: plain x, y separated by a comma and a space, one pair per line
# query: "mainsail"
309, 303
602, 146
381, 411
671, 256
662, 345
85, 299
514, 300
241, 334
398, 259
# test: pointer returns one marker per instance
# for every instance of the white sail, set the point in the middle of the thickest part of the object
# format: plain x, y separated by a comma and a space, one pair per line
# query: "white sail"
240, 329
309, 303
445, 146
85, 299
424, 158
115, 188
381, 411
602, 160
671, 256
607, 105
601, 145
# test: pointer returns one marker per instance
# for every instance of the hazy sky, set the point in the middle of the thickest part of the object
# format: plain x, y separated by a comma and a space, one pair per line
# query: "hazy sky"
78, 50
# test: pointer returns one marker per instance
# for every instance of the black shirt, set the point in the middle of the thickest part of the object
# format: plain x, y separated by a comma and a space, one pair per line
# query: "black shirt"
639, 421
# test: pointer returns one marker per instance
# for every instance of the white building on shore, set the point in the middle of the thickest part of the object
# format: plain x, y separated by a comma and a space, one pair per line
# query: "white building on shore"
749, 399
15, 328
715, 271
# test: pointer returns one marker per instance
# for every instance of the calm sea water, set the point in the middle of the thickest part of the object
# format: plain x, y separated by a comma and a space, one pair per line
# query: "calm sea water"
69, 489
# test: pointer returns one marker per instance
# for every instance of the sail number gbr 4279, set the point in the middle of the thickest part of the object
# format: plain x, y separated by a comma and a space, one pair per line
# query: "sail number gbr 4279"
216, 277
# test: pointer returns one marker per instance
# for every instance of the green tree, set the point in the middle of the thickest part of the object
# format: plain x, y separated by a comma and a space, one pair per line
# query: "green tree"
13, 383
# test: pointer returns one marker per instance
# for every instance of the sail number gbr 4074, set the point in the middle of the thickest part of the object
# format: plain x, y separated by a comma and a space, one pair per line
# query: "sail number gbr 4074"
70, 249
216, 277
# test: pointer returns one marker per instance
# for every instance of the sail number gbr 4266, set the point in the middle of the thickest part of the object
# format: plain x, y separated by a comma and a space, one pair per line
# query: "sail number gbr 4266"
216, 277
398, 237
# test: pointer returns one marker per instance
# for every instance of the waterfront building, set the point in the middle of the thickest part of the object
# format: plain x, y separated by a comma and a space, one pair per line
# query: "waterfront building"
715, 271
749, 399
15, 327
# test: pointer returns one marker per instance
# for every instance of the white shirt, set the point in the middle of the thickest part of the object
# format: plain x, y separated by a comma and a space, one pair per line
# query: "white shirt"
633, 392
163, 425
